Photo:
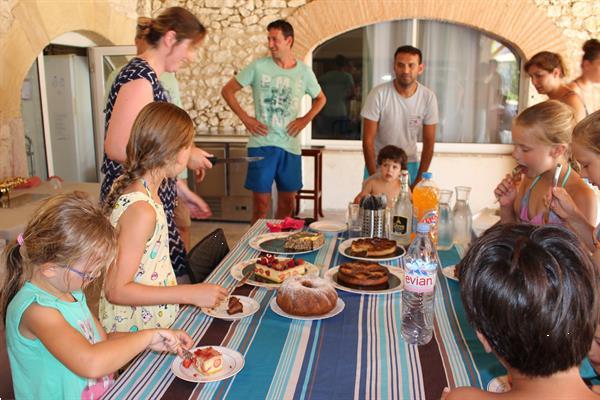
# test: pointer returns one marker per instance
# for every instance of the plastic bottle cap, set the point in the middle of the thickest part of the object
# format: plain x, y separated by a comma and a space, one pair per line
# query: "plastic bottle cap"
422, 227
427, 175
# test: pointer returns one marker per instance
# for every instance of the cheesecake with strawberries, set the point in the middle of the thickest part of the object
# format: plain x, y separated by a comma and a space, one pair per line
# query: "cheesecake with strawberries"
208, 361
277, 270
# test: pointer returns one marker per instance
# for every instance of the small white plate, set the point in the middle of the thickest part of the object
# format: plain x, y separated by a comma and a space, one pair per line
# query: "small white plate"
279, 237
396, 278
248, 303
339, 306
499, 384
328, 227
240, 269
347, 244
449, 272
233, 362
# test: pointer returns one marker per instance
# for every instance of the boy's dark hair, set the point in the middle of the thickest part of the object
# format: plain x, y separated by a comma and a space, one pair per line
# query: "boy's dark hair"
285, 27
409, 50
532, 292
392, 153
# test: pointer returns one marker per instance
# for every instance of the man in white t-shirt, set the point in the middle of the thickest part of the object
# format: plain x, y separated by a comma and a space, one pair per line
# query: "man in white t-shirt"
396, 112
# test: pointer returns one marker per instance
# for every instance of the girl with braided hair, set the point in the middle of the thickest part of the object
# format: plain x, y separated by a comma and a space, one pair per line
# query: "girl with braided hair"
140, 291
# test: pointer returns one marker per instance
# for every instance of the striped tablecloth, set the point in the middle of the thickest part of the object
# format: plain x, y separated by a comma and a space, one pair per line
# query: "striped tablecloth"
358, 354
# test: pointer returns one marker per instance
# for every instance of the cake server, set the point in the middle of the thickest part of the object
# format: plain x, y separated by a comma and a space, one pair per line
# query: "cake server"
215, 160
244, 279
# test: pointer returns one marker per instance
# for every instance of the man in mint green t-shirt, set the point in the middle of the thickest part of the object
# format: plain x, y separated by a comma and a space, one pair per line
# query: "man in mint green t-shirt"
279, 82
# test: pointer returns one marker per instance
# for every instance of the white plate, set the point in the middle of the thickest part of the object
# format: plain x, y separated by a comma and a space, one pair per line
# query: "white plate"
233, 362
396, 276
328, 227
256, 242
239, 270
347, 244
499, 384
250, 307
339, 306
449, 272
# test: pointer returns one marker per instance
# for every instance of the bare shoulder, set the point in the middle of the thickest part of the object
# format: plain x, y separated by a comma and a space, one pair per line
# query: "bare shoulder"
141, 216
468, 393
579, 190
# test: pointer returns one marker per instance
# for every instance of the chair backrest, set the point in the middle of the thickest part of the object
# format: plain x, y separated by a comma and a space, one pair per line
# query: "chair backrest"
207, 254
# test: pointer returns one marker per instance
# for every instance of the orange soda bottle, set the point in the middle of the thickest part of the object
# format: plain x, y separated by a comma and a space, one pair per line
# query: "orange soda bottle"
426, 200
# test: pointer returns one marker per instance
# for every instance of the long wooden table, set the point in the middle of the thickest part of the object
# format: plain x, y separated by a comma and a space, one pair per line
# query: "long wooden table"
358, 354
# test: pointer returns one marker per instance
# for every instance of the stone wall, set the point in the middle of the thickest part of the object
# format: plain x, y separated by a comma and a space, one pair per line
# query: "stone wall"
579, 20
237, 36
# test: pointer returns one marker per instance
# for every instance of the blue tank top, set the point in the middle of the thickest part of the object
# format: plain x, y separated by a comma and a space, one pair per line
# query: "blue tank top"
36, 373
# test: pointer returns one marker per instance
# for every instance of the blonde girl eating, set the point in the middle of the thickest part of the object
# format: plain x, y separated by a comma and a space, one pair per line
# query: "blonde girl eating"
542, 137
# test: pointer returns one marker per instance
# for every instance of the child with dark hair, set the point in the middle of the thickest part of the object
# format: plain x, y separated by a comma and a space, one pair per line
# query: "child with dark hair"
531, 294
391, 160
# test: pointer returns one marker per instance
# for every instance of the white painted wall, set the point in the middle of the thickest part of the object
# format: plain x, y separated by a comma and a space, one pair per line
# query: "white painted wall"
343, 171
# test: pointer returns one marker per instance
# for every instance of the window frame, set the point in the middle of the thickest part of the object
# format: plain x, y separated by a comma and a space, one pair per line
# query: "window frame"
526, 95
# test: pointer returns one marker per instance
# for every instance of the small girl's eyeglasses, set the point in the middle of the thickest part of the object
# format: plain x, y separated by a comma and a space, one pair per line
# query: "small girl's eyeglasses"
85, 276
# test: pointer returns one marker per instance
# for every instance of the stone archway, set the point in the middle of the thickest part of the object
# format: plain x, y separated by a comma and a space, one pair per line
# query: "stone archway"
33, 25
520, 22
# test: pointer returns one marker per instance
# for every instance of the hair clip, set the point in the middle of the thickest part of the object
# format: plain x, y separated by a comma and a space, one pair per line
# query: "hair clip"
20, 239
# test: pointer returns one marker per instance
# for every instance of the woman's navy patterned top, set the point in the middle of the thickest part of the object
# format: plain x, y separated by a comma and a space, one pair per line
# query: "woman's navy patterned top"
138, 68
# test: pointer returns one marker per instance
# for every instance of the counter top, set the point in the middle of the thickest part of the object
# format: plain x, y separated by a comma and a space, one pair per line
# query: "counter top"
14, 219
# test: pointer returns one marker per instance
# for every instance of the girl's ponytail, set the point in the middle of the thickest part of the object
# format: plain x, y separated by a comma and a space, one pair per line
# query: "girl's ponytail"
15, 276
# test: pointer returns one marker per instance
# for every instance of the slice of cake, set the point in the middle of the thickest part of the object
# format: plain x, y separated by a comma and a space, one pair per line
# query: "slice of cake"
373, 247
208, 361
277, 270
234, 306
302, 241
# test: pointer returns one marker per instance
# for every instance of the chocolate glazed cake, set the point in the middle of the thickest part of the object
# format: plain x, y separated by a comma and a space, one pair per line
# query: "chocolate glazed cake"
363, 275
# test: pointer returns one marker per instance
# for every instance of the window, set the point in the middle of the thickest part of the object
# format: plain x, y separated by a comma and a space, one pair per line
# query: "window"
474, 76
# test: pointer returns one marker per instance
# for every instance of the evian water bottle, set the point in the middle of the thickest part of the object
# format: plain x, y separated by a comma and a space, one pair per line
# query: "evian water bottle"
421, 263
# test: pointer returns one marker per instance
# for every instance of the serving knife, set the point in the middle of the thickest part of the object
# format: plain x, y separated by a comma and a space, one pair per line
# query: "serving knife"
215, 160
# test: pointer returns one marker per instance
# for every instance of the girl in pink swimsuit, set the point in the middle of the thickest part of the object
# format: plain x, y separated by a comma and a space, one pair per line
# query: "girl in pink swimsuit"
542, 137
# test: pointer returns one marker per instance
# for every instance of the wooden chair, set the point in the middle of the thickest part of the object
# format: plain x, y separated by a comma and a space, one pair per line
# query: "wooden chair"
315, 194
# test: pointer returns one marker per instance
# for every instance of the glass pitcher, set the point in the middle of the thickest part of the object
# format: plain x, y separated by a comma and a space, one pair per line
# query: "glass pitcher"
462, 216
445, 229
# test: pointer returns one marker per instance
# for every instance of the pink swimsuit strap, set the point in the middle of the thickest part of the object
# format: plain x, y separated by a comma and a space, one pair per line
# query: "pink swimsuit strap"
539, 218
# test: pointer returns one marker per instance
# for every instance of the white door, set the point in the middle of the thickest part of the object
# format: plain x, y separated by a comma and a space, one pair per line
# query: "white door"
105, 63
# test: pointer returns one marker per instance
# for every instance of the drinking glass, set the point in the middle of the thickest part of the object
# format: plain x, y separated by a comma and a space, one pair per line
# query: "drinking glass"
462, 217
354, 221
445, 225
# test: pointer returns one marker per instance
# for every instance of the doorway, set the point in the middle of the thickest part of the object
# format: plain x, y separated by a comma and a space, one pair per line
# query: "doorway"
57, 112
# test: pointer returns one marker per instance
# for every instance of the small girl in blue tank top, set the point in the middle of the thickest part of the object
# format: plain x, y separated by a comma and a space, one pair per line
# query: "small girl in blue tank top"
56, 347
542, 137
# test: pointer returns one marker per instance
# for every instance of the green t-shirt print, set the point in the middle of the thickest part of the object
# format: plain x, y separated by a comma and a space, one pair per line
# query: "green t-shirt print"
277, 94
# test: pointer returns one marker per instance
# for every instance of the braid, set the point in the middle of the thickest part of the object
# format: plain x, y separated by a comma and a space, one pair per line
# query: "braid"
118, 186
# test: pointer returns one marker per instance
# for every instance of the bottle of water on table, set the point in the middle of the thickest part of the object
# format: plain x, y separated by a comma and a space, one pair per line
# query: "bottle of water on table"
421, 263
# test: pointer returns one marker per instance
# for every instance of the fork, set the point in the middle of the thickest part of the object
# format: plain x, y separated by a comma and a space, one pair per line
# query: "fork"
186, 353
